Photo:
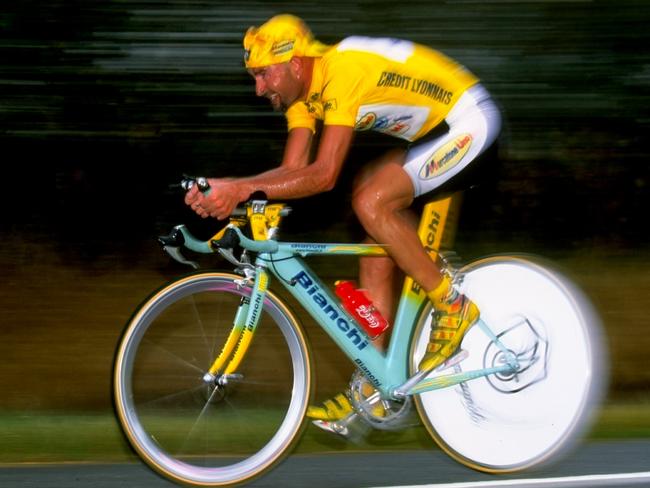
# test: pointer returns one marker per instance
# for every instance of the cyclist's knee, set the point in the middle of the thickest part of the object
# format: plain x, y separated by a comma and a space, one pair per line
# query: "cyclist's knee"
378, 199
365, 207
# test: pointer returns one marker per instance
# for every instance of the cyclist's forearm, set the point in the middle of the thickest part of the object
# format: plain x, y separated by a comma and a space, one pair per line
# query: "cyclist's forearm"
283, 183
295, 178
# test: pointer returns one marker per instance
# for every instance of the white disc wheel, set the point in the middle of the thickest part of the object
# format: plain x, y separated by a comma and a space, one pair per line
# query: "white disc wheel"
508, 422
210, 433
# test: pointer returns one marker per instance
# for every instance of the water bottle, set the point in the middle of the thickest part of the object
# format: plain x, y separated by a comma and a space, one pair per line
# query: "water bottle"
356, 302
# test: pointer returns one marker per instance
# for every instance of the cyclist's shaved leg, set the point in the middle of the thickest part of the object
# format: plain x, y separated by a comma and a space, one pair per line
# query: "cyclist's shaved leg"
380, 201
379, 276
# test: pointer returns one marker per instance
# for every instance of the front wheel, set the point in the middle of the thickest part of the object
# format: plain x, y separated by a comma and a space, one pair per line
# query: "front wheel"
210, 434
508, 422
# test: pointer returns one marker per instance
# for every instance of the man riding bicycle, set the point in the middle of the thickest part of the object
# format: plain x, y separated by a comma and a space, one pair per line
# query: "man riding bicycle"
392, 86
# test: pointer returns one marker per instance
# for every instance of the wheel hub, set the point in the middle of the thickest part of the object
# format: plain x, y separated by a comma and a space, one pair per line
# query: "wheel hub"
526, 343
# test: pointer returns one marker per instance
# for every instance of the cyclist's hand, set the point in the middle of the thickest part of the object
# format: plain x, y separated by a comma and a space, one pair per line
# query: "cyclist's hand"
220, 201
195, 198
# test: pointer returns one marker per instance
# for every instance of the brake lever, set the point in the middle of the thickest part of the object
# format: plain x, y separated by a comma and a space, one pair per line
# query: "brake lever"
175, 253
172, 244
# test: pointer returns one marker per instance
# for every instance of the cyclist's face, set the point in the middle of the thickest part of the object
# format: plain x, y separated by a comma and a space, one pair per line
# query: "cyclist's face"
278, 83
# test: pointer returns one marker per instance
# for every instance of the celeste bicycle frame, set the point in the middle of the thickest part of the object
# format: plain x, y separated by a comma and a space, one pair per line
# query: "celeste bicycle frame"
388, 371
206, 417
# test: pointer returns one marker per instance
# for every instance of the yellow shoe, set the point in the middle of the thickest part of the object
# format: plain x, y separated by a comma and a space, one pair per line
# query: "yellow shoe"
334, 409
454, 314
340, 407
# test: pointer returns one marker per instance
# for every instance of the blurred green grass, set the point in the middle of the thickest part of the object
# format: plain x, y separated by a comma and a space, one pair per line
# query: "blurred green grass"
37, 437
56, 375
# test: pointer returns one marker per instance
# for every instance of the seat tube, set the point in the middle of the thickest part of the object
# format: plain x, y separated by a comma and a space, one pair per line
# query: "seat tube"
436, 230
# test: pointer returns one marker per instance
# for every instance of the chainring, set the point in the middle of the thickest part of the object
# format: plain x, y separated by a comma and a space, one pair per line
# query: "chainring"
383, 414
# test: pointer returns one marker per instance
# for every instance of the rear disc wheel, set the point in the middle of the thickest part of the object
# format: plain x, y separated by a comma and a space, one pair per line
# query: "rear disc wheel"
511, 421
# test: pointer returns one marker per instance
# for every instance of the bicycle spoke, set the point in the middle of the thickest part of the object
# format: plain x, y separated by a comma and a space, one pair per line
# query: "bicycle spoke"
244, 422
199, 418
171, 396
175, 356
199, 322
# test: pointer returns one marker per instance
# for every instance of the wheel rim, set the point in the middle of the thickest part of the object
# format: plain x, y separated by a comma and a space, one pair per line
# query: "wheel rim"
194, 432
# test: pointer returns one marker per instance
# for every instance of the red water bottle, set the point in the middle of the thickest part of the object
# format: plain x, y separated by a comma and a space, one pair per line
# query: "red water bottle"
356, 302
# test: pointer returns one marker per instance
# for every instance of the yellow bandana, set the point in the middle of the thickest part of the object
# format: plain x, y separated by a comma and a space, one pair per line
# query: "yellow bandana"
278, 40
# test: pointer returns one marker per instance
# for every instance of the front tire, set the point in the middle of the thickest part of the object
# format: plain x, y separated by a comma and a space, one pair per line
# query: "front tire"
504, 423
200, 434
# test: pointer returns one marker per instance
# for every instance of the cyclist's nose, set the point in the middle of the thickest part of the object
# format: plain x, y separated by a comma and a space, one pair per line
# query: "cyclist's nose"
260, 87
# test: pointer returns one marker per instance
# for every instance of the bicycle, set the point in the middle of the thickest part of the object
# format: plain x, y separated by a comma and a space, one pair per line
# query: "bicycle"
205, 405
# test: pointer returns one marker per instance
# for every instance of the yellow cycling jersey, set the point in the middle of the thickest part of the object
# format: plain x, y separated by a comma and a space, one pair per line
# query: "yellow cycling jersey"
392, 86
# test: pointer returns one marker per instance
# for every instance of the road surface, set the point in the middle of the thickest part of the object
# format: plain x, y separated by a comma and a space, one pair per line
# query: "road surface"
359, 470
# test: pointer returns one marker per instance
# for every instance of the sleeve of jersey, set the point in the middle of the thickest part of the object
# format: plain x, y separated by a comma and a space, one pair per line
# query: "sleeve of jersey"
343, 87
298, 116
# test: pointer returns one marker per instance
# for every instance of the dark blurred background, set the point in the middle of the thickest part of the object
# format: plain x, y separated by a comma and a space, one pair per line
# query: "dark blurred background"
104, 103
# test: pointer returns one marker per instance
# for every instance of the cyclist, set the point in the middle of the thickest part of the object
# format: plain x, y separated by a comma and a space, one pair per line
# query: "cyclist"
392, 86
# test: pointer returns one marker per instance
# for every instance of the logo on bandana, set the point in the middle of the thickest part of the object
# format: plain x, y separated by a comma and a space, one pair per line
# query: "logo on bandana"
282, 47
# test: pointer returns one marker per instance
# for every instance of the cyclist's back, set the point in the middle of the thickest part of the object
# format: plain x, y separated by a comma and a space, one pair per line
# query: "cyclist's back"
392, 86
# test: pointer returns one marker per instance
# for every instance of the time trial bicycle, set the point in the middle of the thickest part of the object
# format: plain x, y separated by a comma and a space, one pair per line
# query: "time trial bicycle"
213, 374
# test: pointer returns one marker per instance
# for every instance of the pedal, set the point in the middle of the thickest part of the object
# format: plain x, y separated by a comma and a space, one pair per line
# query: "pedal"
461, 355
333, 427
351, 428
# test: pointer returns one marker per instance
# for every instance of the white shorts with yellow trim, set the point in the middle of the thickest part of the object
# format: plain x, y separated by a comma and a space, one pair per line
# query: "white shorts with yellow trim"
474, 123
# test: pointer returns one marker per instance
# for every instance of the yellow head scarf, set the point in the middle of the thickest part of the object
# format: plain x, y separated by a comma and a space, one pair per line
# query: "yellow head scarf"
278, 40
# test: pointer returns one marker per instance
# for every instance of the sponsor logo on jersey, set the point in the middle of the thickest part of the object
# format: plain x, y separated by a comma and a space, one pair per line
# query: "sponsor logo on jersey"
387, 124
399, 126
366, 122
395, 80
311, 107
422, 87
330, 104
446, 157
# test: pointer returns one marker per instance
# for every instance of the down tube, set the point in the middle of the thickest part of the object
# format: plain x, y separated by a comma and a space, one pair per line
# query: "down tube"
323, 306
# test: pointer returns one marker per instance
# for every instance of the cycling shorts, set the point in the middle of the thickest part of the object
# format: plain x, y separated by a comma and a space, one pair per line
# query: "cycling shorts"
474, 123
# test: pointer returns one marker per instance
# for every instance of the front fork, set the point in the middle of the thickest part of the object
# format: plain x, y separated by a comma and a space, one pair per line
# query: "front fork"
241, 335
